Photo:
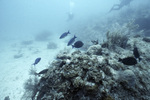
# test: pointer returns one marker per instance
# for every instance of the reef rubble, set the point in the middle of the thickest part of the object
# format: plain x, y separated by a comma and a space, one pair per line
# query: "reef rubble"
96, 74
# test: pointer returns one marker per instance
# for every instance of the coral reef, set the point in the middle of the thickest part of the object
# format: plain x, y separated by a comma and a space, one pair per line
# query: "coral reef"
94, 74
119, 35
31, 88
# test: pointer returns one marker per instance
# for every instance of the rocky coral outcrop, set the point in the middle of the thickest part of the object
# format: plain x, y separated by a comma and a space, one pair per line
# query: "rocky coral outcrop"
95, 75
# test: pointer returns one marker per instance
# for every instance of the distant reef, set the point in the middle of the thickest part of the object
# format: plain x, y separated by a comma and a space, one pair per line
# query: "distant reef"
94, 74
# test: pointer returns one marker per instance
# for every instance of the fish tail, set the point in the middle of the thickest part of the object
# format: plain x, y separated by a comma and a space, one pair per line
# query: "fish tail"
68, 32
36, 74
75, 36
72, 46
140, 59
33, 64
120, 60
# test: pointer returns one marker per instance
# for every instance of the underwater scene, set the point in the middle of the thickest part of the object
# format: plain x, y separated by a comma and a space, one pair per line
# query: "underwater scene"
75, 50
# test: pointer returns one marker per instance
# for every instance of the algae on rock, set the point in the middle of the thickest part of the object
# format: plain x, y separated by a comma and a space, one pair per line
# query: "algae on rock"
93, 76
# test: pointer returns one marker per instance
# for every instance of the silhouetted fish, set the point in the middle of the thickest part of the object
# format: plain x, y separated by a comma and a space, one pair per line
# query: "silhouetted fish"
71, 40
136, 53
37, 60
64, 35
128, 61
78, 44
43, 71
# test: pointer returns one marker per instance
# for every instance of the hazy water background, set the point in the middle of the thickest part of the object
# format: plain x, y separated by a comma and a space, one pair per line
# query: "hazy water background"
19, 18
23, 20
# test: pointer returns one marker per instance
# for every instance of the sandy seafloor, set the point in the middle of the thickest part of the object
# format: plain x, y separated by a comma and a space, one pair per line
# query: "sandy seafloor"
15, 71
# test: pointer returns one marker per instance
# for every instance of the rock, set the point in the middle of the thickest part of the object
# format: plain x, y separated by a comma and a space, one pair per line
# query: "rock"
127, 78
96, 75
78, 82
18, 56
90, 86
7, 98
63, 56
95, 50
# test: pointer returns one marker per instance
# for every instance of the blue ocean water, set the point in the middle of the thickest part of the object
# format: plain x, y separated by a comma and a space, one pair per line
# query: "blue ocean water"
28, 26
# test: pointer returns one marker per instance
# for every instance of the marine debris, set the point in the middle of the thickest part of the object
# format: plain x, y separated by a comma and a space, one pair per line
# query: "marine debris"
94, 74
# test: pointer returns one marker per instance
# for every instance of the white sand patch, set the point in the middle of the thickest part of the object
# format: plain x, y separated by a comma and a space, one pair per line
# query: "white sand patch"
15, 71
